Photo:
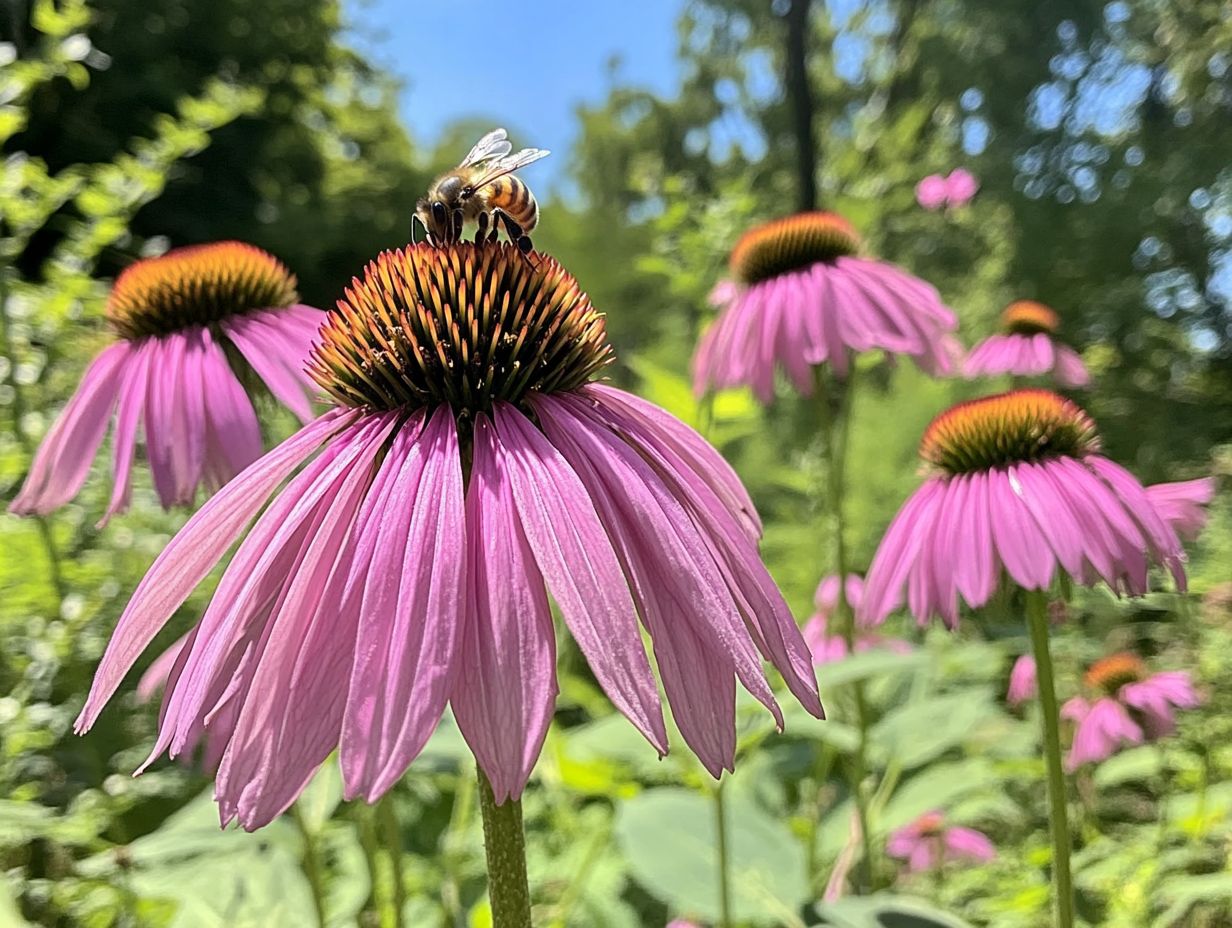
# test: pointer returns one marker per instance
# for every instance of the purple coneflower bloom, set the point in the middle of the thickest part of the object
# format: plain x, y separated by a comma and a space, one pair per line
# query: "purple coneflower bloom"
1022, 687
935, 191
1026, 347
1134, 706
470, 469
928, 844
805, 298
192, 324
1183, 505
826, 647
1018, 488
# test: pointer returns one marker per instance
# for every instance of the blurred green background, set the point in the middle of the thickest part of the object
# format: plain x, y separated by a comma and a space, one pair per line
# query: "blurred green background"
1100, 133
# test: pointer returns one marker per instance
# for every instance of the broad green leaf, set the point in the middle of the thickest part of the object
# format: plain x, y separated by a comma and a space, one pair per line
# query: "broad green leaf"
921, 731
885, 911
669, 838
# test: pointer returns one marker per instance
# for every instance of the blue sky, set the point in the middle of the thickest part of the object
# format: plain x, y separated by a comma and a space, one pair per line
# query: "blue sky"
526, 65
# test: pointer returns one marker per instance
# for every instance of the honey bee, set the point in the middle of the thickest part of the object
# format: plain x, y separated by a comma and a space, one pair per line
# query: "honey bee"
482, 189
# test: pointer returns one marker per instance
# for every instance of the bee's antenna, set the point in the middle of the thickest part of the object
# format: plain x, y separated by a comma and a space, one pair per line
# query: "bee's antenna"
418, 224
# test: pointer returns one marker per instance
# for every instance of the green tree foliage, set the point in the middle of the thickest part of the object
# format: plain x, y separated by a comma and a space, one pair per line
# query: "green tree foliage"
321, 175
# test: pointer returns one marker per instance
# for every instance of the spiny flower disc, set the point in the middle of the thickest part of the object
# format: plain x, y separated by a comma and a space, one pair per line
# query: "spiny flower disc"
1027, 317
1109, 674
791, 243
197, 285
994, 431
930, 823
462, 324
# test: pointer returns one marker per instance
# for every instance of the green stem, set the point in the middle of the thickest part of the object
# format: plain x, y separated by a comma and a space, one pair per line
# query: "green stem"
505, 847
313, 870
393, 841
835, 433
1037, 619
370, 912
720, 824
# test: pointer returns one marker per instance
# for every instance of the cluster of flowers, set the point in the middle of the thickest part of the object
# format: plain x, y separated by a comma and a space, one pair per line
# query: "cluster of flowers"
470, 465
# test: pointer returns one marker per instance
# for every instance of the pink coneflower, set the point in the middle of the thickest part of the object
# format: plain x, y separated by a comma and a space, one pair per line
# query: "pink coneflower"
470, 468
826, 647
1132, 706
935, 191
1018, 489
192, 324
1183, 505
1026, 347
928, 844
805, 298
1022, 687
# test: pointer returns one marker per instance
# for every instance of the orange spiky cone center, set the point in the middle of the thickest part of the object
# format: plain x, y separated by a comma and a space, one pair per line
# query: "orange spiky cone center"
793, 242
197, 285
1027, 317
1109, 674
464, 324
995, 431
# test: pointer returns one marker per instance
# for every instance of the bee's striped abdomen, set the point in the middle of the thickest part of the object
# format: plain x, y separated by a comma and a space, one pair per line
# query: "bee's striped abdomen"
515, 199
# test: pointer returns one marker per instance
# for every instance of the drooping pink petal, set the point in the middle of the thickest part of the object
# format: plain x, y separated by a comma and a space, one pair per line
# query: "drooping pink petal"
1068, 370
291, 711
157, 673
233, 434
1157, 696
1164, 546
1023, 685
63, 459
969, 843
506, 687
581, 570
694, 451
164, 417
193, 552
765, 613
1021, 544
1104, 729
406, 655
1183, 505
236, 627
129, 412
898, 554
698, 633
288, 383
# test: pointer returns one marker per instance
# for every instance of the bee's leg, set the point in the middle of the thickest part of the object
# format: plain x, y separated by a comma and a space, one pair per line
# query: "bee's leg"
515, 233
482, 231
440, 220
456, 230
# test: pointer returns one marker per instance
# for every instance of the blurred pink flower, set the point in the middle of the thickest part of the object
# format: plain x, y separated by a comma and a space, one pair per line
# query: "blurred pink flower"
932, 192
1019, 490
1183, 505
1134, 707
682, 923
827, 648
1026, 347
804, 298
1022, 681
184, 321
928, 844
826, 596
383, 582
935, 191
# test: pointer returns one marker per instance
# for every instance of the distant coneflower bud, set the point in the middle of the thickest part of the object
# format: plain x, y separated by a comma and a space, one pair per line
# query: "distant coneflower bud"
1027, 347
804, 297
472, 467
1018, 487
192, 323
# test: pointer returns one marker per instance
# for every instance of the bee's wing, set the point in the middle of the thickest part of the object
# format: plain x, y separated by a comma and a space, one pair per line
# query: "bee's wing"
509, 164
493, 145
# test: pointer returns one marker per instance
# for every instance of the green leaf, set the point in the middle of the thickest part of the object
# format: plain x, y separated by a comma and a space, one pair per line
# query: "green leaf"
885, 911
670, 840
866, 664
1140, 763
938, 787
919, 732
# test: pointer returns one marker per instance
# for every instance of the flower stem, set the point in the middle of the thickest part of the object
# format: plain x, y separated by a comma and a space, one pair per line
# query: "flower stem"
835, 433
1037, 619
505, 847
720, 823
311, 864
393, 841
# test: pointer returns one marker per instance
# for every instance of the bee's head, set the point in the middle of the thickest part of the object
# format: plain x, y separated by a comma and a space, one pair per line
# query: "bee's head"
436, 217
